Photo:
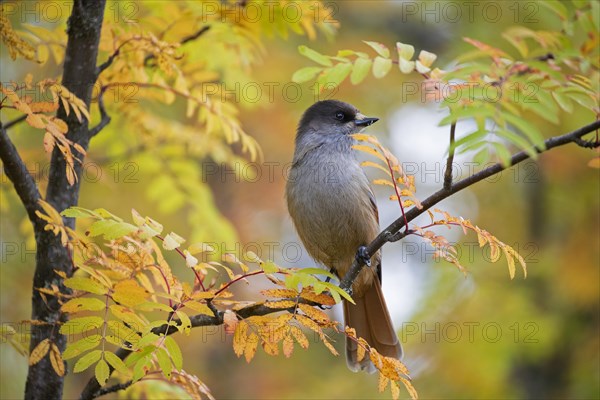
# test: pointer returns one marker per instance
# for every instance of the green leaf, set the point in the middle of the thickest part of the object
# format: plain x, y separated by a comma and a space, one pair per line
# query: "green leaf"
381, 49
137, 356
335, 289
116, 362
81, 346
111, 229
164, 362
315, 56
518, 141
174, 352
148, 339
332, 77
316, 271
557, 7
102, 372
86, 361
528, 129
269, 267
360, 70
85, 284
305, 74
502, 153
563, 101
78, 212
139, 369
381, 66
83, 324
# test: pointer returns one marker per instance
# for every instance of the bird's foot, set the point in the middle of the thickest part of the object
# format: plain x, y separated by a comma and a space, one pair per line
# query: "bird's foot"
363, 256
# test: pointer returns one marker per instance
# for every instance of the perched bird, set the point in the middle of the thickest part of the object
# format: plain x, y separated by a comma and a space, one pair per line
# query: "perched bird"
333, 209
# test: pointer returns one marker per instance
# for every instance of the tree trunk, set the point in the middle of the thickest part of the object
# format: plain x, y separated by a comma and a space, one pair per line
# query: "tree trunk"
79, 76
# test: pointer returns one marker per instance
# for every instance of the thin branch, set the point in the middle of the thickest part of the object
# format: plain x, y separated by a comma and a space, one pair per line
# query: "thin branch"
448, 173
196, 35
113, 388
20, 177
112, 57
393, 229
185, 40
105, 118
15, 121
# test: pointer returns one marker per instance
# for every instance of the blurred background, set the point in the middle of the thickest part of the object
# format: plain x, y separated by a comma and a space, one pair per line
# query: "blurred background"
476, 336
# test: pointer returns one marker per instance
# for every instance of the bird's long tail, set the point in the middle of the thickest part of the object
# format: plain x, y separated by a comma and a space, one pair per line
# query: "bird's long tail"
371, 319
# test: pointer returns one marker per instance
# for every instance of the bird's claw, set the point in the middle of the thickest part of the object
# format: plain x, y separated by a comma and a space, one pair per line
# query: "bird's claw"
362, 255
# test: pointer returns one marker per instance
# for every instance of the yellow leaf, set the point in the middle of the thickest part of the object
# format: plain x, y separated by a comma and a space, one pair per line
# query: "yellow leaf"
39, 351
511, 263
313, 313
86, 285
320, 298
299, 336
288, 346
410, 388
35, 121
283, 304
362, 349
186, 323
56, 360
375, 165
251, 346
129, 293
102, 372
240, 338
369, 150
383, 383
282, 293
83, 304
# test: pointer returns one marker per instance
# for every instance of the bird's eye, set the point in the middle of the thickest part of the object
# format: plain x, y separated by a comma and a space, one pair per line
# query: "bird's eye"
339, 116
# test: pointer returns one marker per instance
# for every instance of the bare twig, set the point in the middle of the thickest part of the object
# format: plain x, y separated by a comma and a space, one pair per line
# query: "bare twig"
450, 160
15, 121
104, 117
113, 388
394, 228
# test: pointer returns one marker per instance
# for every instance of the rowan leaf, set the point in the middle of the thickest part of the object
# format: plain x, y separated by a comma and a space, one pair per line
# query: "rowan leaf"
174, 352
381, 67
102, 372
86, 285
82, 324
39, 351
380, 48
87, 360
129, 293
288, 346
81, 346
305, 74
315, 56
240, 338
116, 362
56, 360
164, 362
251, 346
360, 70
83, 304
186, 323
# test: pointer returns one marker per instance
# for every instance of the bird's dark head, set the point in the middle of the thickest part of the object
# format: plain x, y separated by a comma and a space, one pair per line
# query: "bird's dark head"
333, 117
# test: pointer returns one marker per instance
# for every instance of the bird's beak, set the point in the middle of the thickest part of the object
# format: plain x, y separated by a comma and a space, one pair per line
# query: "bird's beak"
361, 120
